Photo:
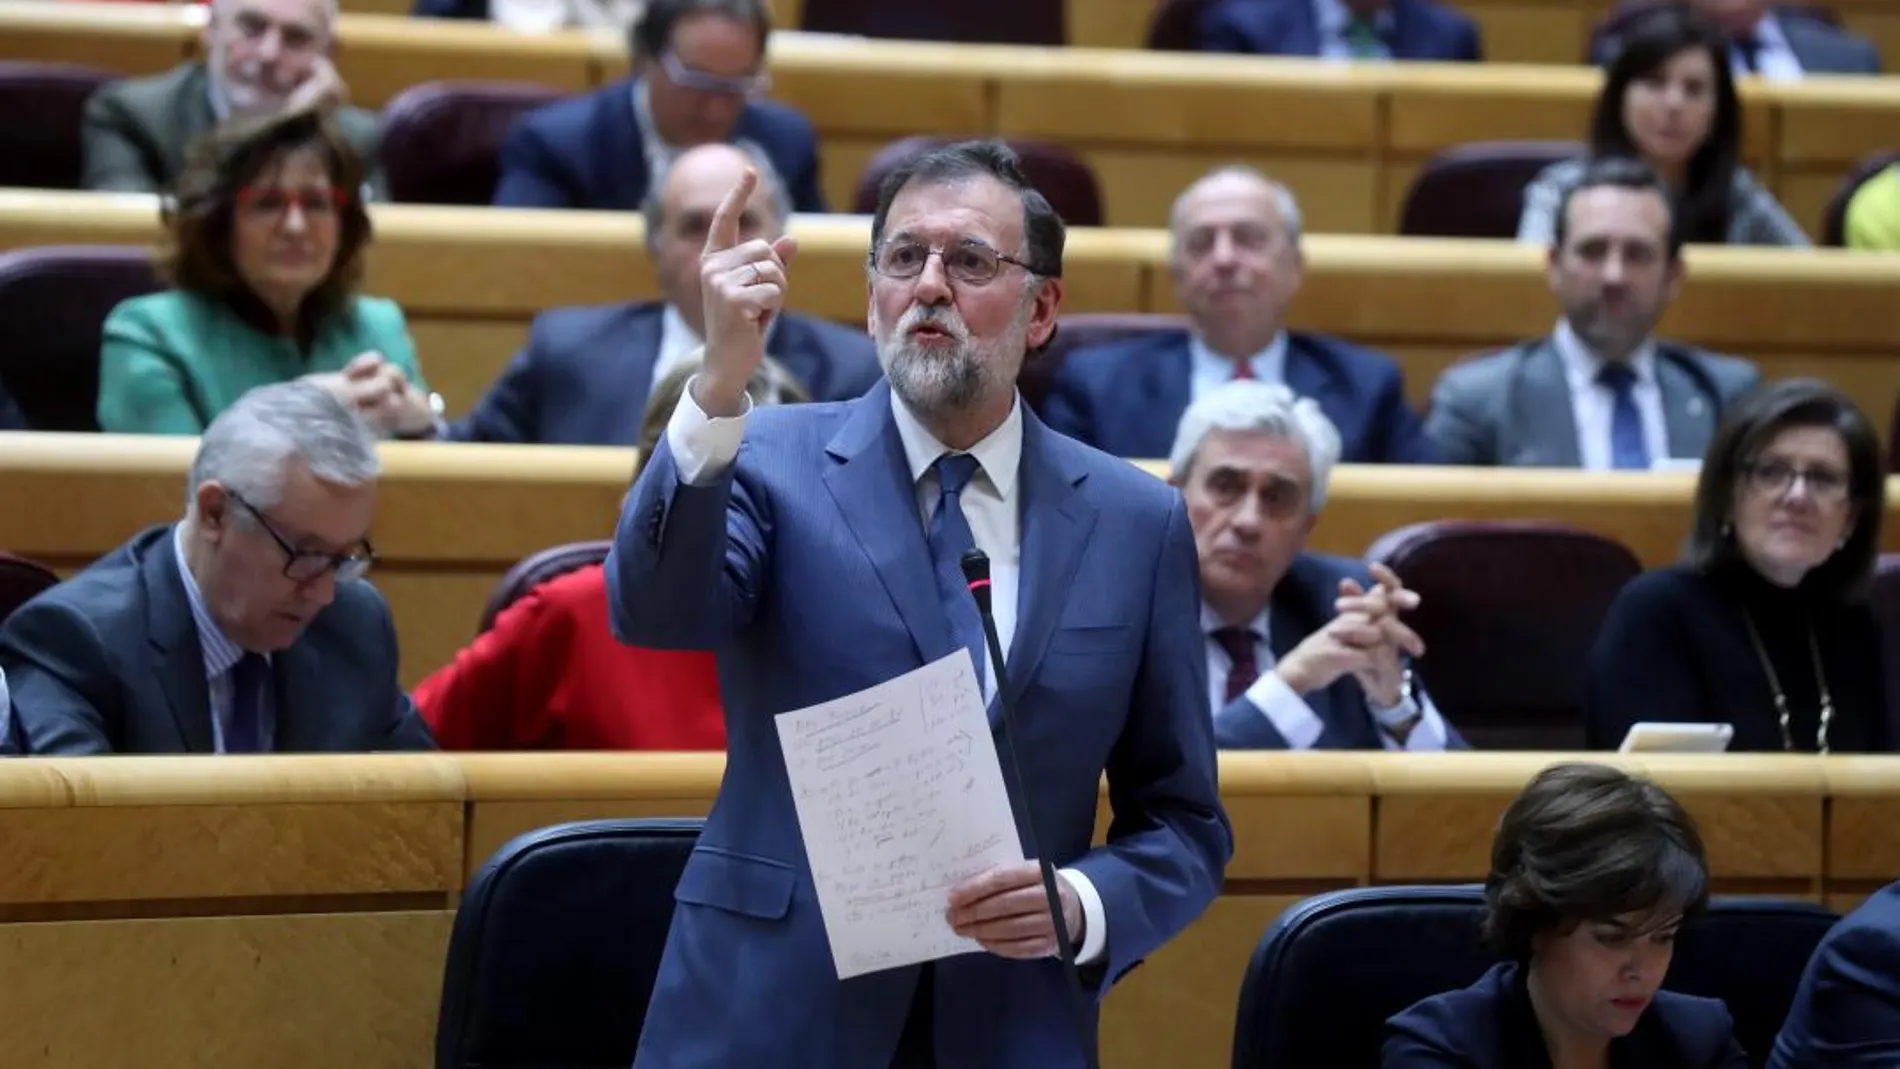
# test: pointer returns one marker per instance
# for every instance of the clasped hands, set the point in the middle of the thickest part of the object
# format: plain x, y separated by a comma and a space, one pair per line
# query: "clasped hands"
1365, 638
380, 392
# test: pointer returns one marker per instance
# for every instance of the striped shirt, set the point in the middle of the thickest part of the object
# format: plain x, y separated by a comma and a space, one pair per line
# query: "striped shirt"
221, 655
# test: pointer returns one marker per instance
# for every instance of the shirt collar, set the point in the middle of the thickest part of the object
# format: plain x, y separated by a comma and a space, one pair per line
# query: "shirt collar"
999, 454
672, 324
220, 653
1212, 621
1581, 365
1268, 364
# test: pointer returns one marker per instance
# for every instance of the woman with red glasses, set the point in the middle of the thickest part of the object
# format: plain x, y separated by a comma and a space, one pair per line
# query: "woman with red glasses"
264, 247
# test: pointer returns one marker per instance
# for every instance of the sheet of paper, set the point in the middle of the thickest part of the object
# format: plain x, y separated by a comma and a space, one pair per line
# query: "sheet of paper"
899, 797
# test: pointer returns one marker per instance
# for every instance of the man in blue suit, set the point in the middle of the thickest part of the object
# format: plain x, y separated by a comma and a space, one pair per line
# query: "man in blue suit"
1341, 29
1304, 650
586, 373
699, 65
1846, 1013
1237, 264
747, 528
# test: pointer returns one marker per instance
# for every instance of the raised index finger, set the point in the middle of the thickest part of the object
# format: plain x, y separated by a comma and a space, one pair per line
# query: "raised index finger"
724, 232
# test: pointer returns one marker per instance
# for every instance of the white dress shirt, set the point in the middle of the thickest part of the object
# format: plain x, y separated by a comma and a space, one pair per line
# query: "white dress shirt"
1593, 403
1775, 60
703, 448
221, 656
679, 342
1295, 720
1211, 370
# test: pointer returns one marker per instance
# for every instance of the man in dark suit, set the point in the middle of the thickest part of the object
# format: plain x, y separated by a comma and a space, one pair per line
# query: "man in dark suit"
1778, 43
241, 629
1341, 29
816, 548
1846, 1013
10, 742
1600, 391
586, 373
1237, 264
1304, 650
263, 56
699, 66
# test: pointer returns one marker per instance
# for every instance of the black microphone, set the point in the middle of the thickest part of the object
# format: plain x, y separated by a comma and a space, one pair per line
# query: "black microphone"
976, 572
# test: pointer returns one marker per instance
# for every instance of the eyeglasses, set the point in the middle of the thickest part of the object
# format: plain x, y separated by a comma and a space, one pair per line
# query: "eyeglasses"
968, 261
274, 202
1775, 478
304, 565
746, 85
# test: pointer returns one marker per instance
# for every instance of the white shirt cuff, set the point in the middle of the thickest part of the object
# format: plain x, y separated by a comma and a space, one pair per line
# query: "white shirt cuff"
703, 447
1094, 919
1428, 735
1296, 721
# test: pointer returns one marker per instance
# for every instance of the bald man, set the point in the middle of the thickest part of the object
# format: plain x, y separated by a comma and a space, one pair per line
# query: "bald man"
586, 373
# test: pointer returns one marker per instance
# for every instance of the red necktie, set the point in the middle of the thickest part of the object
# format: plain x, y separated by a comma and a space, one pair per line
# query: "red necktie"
1243, 370
1239, 643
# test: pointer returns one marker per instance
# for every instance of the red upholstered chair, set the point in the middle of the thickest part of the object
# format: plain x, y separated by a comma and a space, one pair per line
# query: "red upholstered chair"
1077, 331
442, 140
54, 301
1022, 22
1476, 190
1834, 216
539, 568
39, 141
1508, 612
1058, 174
1176, 25
21, 580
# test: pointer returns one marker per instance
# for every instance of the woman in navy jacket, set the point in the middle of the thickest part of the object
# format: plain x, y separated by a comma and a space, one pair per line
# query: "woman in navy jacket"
1592, 873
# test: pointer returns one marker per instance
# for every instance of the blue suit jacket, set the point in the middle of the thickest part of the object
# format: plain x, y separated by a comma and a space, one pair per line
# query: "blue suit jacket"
585, 375
1846, 1013
1490, 1025
586, 152
1127, 397
109, 662
1302, 604
1421, 29
1106, 667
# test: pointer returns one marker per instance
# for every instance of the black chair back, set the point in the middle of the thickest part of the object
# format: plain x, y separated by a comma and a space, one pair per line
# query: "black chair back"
54, 300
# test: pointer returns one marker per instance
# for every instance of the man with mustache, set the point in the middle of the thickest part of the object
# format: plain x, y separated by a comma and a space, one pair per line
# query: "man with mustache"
1600, 392
262, 56
816, 549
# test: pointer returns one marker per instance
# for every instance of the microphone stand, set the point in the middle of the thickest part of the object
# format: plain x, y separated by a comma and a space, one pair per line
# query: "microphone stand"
976, 572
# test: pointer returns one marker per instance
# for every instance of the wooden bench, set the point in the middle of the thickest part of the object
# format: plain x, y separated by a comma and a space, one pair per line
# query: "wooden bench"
295, 911
471, 280
1347, 138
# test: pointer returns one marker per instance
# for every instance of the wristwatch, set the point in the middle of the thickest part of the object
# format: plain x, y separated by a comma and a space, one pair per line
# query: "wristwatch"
1406, 710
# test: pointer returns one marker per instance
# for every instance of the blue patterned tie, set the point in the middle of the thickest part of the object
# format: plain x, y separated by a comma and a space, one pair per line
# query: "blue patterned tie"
245, 731
1627, 450
950, 539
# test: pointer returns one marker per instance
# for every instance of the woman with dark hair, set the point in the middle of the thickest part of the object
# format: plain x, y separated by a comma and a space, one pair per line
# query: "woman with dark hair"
1592, 874
1765, 624
1668, 99
264, 247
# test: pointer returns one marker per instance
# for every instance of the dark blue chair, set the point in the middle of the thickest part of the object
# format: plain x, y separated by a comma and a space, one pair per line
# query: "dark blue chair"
1334, 967
556, 945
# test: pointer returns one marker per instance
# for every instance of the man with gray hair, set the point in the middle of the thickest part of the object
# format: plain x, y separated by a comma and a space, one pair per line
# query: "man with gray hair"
586, 373
1237, 264
1304, 650
241, 629
261, 57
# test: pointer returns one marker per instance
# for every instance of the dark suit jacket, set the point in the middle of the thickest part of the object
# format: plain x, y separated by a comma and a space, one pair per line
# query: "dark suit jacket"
1820, 48
1126, 397
587, 152
1421, 29
109, 662
1490, 1025
1302, 604
584, 377
1846, 1013
136, 131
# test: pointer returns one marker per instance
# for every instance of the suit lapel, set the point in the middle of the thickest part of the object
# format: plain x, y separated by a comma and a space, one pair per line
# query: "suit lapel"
625, 169
1547, 430
1057, 521
1168, 386
1307, 377
296, 679
177, 653
872, 488
790, 344
192, 116
629, 397
1688, 417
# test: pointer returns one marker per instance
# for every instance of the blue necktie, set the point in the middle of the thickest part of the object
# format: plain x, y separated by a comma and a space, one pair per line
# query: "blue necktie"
244, 733
1627, 451
950, 539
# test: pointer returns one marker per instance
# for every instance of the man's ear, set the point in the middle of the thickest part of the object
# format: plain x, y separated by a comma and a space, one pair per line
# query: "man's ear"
1042, 320
212, 510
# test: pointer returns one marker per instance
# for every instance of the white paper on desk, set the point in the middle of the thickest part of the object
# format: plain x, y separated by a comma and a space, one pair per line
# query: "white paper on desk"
899, 798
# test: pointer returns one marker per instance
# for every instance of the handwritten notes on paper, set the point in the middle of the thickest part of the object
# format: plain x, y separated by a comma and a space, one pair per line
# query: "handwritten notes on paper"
899, 798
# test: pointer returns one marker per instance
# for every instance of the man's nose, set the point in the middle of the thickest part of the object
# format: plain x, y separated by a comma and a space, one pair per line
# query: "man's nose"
933, 282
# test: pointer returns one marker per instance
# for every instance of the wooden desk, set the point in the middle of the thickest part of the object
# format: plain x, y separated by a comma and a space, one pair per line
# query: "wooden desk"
1346, 137
471, 280
295, 911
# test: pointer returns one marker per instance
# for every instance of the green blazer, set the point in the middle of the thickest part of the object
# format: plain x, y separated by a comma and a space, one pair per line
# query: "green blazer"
172, 361
134, 132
